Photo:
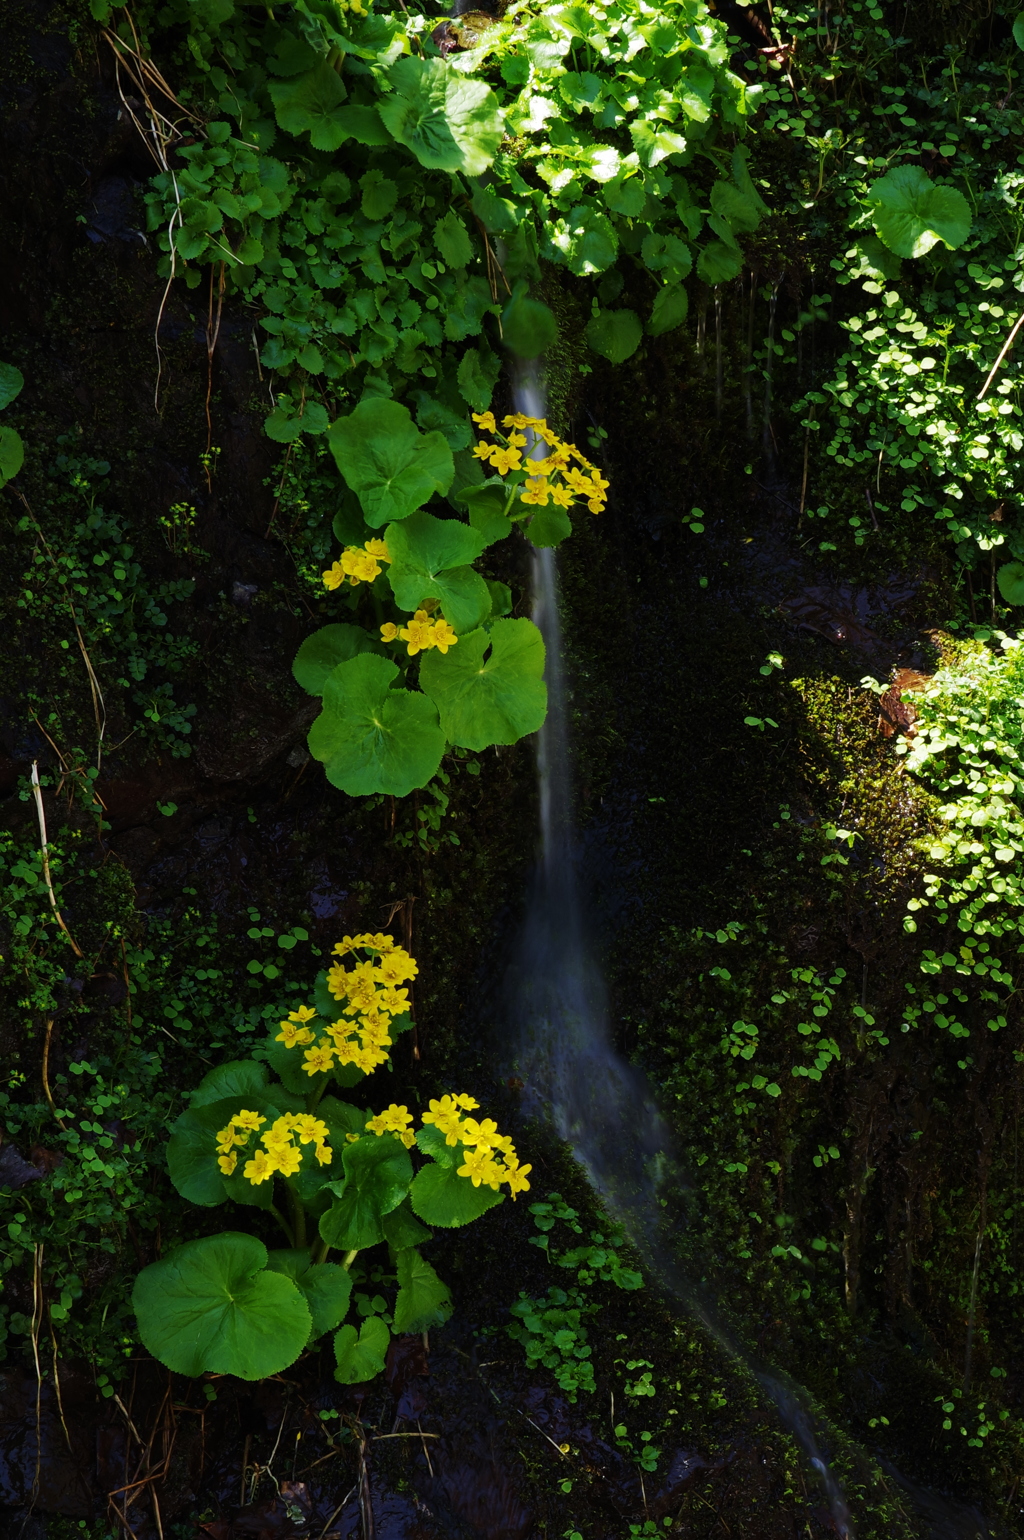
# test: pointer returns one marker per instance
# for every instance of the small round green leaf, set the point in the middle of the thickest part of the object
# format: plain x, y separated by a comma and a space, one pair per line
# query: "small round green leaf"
321, 653
209, 1307
449, 123
441, 1197
423, 1301
489, 688
911, 213
615, 334
360, 1355
1010, 578
391, 466
326, 1287
371, 738
378, 1171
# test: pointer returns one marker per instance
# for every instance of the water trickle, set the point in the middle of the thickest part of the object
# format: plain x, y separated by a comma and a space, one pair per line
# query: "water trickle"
601, 1105
768, 436
719, 357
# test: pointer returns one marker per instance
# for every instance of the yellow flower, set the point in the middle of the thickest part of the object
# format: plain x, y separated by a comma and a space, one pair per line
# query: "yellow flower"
595, 505
418, 634
389, 631
260, 1168
334, 576
291, 1033
485, 421
444, 636
394, 1120
480, 1134
517, 440
468, 1102
516, 1178
227, 1163
379, 549
310, 1128
505, 460
482, 451
289, 1159
517, 420
248, 1120
318, 1059
227, 1139
394, 1001
279, 1136
562, 497
397, 966
380, 942
577, 480
479, 1167
536, 491
324, 1154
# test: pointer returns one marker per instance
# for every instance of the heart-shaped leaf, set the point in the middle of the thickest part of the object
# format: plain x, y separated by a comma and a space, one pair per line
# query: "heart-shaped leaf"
308, 103
911, 213
430, 560
615, 334
360, 1354
1010, 578
671, 306
448, 122
667, 254
440, 1196
423, 1301
490, 688
192, 1152
371, 738
548, 527
719, 262
321, 653
377, 1176
240, 1078
210, 1307
391, 466
326, 1288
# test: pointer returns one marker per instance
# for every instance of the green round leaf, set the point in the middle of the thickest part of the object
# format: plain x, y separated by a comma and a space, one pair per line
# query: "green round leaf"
430, 560
1010, 578
548, 527
308, 102
743, 213
210, 1308
449, 123
241, 1078
192, 1152
378, 1171
489, 688
388, 463
671, 305
667, 254
615, 334
719, 263
423, 1301
911, 214
486, 504
324, 1286
528, 327
1018, 30
11, 382
371, 738
441, 1197
321, 653
12, 454
360, 1355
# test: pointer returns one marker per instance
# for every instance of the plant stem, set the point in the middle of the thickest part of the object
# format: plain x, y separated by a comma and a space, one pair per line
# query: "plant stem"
350, 1257
282, 1221
297, 1214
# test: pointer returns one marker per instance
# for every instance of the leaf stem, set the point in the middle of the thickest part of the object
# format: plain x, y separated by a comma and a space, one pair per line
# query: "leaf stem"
282, 1221
297, 1214
350, 1257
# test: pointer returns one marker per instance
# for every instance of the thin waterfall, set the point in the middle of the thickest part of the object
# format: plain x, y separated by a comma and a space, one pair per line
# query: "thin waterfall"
601, 1105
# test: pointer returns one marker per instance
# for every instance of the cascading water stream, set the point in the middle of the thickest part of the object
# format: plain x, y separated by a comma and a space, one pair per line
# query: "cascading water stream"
601, 1105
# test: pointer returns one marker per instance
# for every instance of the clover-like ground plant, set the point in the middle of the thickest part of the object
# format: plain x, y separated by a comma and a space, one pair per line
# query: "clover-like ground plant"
335, 1177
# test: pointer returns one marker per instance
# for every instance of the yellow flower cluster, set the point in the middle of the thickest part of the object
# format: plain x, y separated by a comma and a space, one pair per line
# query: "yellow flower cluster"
490, 1158
279, 1153
421, 633
553, 478
370, 997
394, 1120
357, 564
